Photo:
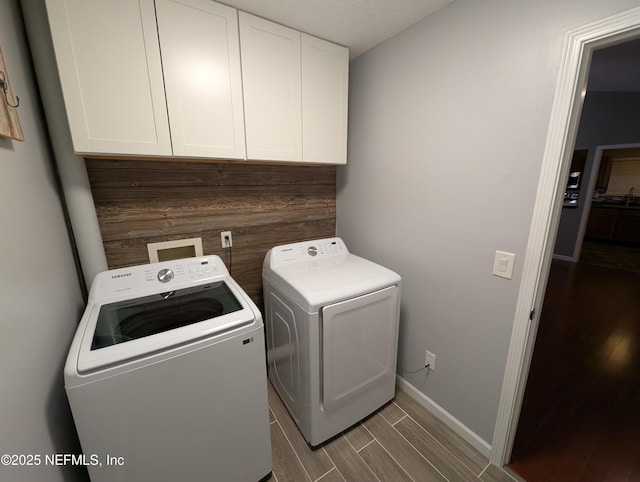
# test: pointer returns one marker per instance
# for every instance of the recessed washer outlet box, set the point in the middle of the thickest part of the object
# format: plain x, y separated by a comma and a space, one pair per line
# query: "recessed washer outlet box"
176, 249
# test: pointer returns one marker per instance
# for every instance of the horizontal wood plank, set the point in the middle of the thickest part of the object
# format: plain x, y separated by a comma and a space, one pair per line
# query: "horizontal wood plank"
159, 207
157, 173
188, 227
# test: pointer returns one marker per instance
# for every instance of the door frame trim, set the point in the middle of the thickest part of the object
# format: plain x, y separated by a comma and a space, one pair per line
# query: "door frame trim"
565, 117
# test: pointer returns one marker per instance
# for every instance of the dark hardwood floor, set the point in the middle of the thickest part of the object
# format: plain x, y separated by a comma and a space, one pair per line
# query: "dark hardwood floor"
580, 419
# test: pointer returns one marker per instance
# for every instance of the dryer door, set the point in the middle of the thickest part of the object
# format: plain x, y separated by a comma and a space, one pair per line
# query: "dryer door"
359, 345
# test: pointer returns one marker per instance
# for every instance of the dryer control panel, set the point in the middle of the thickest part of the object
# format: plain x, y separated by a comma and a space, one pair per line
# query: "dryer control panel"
307, 251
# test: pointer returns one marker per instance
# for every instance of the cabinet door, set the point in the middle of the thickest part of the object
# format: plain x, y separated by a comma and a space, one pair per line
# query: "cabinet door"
602, 223
109, 64
272, 89
325, 84
201, 62
628, 229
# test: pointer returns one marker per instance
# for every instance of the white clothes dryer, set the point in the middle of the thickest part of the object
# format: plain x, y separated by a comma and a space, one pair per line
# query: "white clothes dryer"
166, 376
332, 334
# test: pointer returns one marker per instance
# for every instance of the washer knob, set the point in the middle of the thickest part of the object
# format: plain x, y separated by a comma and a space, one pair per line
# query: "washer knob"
165, 275
312, 251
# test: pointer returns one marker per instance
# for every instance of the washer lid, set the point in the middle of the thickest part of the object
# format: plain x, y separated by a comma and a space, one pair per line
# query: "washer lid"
316, 283
140, 310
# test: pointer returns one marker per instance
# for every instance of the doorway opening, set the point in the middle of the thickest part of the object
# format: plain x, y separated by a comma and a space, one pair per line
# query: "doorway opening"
568, 102
579, 417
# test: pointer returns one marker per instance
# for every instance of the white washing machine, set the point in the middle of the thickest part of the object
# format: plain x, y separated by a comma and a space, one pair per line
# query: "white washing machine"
166, 376
332, 334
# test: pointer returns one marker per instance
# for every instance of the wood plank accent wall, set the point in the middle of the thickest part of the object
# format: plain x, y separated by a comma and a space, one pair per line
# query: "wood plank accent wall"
143, 201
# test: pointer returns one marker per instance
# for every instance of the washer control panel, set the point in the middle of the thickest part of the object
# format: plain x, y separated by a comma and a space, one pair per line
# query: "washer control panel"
184, 269
144, 277
307, 251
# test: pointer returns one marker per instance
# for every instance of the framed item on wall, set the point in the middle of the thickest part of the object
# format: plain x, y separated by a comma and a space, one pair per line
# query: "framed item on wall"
9, 121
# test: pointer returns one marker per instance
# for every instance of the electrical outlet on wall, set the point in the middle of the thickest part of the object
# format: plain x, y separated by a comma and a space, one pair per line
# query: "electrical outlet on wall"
430, 360
226, 239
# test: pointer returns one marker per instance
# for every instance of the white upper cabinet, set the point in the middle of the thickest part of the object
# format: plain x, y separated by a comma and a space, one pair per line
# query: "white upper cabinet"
201, 65
325, 86
271, 77
109, 64
193, 78
295, 94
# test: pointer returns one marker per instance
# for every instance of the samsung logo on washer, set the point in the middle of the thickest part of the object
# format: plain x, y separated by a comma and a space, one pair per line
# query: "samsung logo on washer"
122, 275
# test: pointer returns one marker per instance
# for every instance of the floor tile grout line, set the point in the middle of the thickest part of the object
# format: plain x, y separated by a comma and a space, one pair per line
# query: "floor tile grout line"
336, 467
398, 421
358, 452
385, 449
366, 445
441, 444
328, 471
334, 464
416, 449
349, 442
272, 412
399, 407
294, 452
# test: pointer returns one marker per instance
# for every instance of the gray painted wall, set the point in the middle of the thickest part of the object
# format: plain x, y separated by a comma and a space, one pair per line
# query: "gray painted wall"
447, 128
40, 299
607, 119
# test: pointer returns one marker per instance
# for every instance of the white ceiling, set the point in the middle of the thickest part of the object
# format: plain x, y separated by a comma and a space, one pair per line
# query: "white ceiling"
357, 24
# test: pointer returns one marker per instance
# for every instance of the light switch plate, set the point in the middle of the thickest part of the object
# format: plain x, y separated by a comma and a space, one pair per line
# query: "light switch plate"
503, 264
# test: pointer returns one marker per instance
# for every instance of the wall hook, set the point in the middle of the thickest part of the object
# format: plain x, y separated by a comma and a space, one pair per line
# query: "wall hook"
5, 87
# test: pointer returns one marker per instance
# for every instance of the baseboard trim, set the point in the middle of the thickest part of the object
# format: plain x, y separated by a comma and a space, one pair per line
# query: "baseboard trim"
453, 423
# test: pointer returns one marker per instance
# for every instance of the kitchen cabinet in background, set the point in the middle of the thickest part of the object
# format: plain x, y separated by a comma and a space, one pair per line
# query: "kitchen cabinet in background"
628, 229
110, 69
614, 224
601, 224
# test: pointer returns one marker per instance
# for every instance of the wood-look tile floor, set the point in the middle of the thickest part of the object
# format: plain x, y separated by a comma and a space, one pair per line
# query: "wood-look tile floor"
401, 442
